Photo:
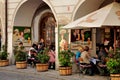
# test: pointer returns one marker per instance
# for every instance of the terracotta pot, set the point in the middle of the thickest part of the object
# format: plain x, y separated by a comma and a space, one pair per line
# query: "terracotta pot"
21, 65
4, 63
64, 71
115, 76
41, 67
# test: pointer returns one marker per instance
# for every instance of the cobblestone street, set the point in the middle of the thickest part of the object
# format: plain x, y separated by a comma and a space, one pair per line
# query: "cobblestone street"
11, 73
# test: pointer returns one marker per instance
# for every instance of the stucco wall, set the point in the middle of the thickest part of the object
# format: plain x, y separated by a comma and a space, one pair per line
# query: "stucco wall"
2, 19
64, 9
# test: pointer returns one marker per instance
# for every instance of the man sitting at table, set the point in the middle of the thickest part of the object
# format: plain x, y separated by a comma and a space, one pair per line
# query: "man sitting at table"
85, 56
102, 64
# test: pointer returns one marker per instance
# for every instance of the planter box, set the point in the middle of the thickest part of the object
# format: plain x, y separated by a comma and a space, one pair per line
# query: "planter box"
64, 71
41, 67
115, 76
21, 65
4, 63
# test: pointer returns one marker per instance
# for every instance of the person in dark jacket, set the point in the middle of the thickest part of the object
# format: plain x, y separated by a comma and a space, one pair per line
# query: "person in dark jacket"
41, 45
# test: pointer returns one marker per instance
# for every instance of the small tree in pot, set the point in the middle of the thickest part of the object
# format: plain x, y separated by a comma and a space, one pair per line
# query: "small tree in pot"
113, 65
3, 57
42, 60
65, 62
20, 57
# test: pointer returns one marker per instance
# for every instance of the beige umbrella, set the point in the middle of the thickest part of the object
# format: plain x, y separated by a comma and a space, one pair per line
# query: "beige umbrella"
106, 16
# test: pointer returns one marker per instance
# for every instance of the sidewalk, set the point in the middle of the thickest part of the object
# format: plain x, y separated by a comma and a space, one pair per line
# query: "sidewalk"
54, 74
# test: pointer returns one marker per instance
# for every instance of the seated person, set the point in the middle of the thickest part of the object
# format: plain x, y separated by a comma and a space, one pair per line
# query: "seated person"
78, 54
32, 58
102, 64
41, 45
102, 53
85, 56
102, 67
110, 52
35, 46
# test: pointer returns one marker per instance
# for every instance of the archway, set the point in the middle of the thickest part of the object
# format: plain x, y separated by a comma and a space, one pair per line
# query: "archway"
27, 17
86, 7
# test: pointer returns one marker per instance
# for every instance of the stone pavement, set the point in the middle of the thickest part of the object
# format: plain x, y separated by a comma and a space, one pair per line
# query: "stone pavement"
54, 74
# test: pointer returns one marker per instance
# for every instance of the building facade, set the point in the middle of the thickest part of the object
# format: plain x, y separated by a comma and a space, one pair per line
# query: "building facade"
43, 19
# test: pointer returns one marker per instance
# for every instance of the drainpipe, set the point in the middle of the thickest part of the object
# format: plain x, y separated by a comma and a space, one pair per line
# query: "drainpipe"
6, 24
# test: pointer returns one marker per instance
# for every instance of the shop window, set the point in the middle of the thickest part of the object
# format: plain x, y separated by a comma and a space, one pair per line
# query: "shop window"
81, 37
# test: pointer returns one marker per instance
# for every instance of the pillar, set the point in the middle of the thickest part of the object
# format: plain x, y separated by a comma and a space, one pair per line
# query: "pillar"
10, 46
56, 46
94, 41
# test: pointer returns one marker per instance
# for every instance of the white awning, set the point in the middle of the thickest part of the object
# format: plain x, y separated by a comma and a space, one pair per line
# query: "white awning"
106, 16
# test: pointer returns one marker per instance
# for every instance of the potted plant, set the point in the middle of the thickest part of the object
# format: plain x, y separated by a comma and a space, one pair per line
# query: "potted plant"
42, 60
20, 57
65, 62
3, 57
113, 65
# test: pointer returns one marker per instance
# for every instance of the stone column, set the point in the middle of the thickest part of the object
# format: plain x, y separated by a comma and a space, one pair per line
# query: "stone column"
69, 33
94, 41
10, 45
56, 46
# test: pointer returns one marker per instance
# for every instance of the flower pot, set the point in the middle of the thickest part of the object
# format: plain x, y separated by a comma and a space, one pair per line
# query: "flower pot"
4, 63
41, 67
21, 65
64, 71
115, 76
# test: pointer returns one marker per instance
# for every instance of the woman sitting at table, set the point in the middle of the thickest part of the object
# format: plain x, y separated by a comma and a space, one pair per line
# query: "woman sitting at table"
77, 56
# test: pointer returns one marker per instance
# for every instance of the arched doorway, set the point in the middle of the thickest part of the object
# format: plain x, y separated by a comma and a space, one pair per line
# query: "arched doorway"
37, 20
47, 29
30, 17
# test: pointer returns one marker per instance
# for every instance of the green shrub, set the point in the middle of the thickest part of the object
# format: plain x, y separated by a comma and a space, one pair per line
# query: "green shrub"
21, 56
20, 53
113, 64
3, 54
43, 57
65, 58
